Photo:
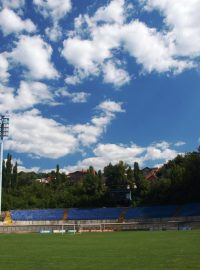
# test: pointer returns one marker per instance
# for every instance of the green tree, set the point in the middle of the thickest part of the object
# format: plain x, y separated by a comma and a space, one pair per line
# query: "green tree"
130, 177
57, 175
142, 185
4, 174
116, 175
91, 182
8, 171
15, 176
138, 177
192, 176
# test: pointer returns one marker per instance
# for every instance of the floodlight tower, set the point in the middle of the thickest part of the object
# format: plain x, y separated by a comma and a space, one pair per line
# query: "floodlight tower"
4, 126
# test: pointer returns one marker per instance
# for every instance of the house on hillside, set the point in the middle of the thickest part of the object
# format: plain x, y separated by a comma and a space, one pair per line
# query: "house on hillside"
46, 180
75, 177
150, 173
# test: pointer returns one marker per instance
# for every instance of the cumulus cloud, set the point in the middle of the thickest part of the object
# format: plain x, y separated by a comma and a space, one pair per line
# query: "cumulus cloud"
114, 12
22, 168
180, 143
27, 96
182, 19
118, 152
94, 45
54, 33
155, 153
106, 153
35, 54
81, 54
32, 133
162, 145
14, 4
4, 74
89, 56
75, 97
109, 106
89, 133
72, 80
114, 75
151, 49
10, 22
57, 9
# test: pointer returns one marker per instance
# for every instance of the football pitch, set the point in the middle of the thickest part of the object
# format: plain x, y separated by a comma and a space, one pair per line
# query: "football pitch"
101, 251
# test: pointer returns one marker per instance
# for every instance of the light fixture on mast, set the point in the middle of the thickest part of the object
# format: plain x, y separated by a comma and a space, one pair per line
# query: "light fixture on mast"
4, 128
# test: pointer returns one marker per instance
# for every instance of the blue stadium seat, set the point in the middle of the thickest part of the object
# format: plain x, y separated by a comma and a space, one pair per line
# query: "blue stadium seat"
163, 211
94, 214
190, 209
44, 214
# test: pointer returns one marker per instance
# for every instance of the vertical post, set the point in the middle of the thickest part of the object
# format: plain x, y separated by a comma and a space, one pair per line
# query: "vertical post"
4, 125
1, 162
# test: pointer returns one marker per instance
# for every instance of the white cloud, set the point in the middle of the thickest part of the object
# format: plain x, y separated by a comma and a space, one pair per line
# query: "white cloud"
94, 45
109, 106
31, 169
72, 80
180, 143
118, 152
89, 133
32, 133
154, 153
6, 98
114, 75
57, 9
54, 33
75, 97
162, 145
151, 49
81, 54
14, 4
114, 12
10, 22
35, 55
182, 18
89, 55
79, 97
106, 153
4, 75
27, 96
102, 120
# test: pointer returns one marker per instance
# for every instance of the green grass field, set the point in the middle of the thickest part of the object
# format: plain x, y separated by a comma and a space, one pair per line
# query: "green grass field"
101, 251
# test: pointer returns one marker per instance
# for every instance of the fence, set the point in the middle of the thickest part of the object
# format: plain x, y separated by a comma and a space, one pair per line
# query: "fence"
101, 227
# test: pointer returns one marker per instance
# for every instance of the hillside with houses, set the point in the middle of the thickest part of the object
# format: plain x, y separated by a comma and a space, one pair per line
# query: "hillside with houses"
177, 181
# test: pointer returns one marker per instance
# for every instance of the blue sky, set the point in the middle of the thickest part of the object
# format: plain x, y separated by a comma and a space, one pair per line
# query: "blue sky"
92, 82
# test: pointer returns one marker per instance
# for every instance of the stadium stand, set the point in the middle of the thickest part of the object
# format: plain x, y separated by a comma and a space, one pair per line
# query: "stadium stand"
190, 209
44, 214
164, 211
167, 217
94, 214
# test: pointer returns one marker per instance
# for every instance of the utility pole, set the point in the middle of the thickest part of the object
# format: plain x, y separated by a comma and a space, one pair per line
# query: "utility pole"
4, 126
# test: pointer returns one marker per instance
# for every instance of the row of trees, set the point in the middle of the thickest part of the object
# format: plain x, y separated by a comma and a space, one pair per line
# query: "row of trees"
178, 181
9, 173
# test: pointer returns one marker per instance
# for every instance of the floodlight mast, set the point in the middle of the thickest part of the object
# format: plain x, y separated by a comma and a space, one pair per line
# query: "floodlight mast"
4, 126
